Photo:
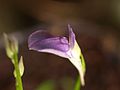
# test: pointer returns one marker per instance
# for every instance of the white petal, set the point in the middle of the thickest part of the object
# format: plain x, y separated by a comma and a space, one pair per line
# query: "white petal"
77, 63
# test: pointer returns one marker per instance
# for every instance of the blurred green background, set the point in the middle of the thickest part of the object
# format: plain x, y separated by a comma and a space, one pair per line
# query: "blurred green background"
97, 27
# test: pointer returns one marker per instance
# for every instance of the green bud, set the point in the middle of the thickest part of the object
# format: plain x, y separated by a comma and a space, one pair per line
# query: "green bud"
11, 46
21, 67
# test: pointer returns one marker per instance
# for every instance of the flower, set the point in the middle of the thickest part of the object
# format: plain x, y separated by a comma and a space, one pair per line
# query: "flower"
43, 41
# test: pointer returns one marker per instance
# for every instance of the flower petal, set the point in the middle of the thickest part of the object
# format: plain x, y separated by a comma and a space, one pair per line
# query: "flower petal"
75, 54
38, 35
44, 42
77, 63
71, 36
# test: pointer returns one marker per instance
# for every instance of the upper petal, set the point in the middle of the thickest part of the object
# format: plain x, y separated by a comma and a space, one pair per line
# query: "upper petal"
44, 42
38, 36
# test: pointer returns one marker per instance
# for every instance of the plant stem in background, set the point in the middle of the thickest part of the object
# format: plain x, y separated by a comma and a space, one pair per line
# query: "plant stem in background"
19, 85
11, 46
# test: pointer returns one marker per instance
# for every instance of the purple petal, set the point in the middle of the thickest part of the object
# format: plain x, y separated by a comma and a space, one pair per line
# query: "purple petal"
44, 42
38, 35
71, 37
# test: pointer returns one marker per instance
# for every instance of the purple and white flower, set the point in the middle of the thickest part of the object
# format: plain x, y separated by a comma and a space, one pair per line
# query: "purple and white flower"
43, 41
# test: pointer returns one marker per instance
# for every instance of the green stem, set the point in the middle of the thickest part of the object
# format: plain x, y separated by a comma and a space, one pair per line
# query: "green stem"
77, 85
17, 71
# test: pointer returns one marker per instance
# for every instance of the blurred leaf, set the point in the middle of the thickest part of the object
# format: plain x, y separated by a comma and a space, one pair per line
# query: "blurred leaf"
47, 85
67, 83
77, 84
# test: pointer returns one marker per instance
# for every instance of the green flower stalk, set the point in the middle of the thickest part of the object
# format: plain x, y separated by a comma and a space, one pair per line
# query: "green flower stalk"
11, 46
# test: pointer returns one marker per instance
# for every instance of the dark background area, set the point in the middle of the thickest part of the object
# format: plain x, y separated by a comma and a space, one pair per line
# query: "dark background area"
96, 24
